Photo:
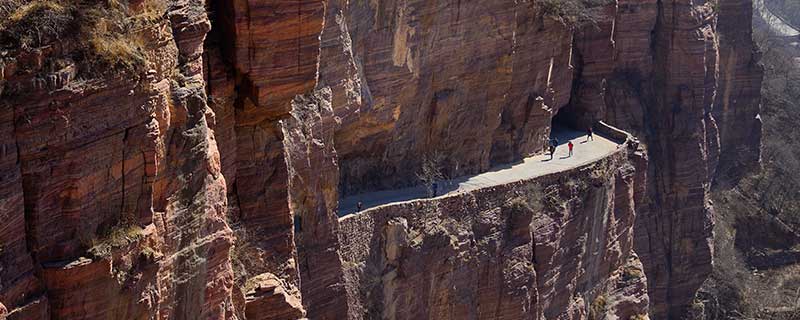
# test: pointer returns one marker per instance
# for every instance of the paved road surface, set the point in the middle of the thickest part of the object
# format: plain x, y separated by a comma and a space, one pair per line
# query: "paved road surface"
778, 26
534, 166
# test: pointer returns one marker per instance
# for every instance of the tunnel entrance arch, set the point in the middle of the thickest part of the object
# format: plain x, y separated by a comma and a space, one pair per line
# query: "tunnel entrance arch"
573, 117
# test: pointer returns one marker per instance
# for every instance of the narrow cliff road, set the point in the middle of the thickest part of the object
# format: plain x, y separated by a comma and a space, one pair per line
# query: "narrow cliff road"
531, 167
777, 25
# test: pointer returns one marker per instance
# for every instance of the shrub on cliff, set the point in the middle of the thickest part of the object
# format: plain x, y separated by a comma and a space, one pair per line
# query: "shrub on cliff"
574, 13
105, 35
529, 197
33, 24
112, 36
598, 307
431, 171
117, 237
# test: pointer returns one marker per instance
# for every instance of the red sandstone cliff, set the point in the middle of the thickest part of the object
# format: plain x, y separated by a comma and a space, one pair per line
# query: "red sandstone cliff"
681, 75
203, 182
113, 201
556, 247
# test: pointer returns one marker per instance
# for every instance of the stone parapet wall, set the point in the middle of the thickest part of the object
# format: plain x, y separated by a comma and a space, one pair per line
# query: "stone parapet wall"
451, 257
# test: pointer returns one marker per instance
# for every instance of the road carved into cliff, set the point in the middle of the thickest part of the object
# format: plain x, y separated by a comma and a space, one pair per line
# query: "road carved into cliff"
534, 166
776, 24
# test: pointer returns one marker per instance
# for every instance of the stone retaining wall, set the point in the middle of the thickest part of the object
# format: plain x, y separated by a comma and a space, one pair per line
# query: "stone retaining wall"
544, 247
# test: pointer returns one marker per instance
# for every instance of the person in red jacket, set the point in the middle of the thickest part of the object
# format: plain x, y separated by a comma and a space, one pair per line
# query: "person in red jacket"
570, 145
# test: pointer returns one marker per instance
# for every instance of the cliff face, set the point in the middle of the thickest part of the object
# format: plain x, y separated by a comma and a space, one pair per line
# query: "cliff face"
556, 247
694, 99
201, 176
476, 81
113, 201
681, 75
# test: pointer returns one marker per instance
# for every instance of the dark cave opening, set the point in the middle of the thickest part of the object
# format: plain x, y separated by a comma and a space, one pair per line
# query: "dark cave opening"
567, 118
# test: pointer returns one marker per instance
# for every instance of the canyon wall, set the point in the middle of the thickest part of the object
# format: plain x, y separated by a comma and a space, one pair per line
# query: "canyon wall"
555, 247
112, 187
475, 81
203, 178
682, 75
691, 90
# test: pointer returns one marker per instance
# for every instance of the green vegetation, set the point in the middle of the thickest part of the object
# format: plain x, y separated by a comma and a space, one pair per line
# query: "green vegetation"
574, 13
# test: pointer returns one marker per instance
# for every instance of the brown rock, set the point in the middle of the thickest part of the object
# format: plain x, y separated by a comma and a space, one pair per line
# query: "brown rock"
669, 90
626, 294
274, 46
113, 152
262, 55
738, 100
501, 252
18, 284
269, 300
37, 308
392, 67
313, 181
678, 222
224, 124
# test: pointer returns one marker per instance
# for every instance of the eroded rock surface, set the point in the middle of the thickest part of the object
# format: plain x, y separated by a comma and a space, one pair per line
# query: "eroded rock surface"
537, 249
269, 299
124, 204
464, 79
313, 171
203, 181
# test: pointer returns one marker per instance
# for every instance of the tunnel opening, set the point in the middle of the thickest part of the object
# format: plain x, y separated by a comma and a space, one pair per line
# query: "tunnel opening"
571, 118
569, 126
567, 118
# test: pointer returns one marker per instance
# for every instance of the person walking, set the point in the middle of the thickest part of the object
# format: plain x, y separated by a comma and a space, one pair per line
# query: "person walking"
570, 145
589, 134
552, 151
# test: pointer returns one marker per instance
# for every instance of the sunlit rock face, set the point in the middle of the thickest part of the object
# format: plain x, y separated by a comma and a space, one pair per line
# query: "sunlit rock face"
680, 75
203, 181
113, 201
476, 81
555, 247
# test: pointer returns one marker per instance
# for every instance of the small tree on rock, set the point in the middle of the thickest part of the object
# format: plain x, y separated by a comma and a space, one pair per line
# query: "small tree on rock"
431, 171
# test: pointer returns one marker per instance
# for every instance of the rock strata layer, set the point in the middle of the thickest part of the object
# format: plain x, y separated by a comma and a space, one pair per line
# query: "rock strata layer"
549, 248
191, 166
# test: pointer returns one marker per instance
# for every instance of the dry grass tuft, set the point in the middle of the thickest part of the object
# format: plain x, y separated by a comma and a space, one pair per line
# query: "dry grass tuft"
116, 238
106, 34
34, 24
598, 307
574, 13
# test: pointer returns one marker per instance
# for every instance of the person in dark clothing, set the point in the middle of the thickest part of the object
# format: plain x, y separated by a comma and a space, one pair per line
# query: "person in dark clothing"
434, 188
570, 145
552, 151
298, 224
589, 134
359, 206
